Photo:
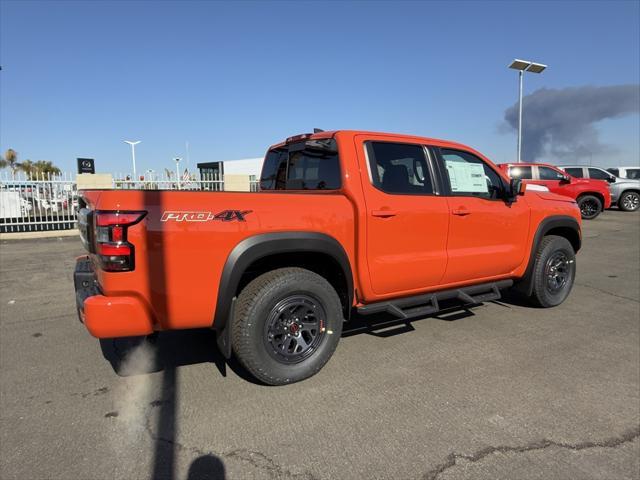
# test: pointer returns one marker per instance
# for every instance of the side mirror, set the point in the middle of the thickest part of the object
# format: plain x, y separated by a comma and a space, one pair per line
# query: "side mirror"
611, 179
516, 187
565, 179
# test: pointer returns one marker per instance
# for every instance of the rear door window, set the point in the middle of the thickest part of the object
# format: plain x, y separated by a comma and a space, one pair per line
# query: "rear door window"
574, 172
399, 168
520, 172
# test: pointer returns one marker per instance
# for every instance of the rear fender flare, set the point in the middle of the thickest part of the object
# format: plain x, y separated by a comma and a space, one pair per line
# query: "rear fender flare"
256, 247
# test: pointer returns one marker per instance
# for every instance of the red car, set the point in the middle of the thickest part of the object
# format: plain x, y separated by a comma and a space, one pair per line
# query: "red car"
591, 195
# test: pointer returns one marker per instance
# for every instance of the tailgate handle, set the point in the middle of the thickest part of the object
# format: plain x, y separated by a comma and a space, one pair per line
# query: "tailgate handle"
384, 213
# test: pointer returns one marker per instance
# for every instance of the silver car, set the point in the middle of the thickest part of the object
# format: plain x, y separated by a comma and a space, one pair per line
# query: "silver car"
625, 192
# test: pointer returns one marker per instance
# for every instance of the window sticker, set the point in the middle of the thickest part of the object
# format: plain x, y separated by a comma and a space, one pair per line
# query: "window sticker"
467, 177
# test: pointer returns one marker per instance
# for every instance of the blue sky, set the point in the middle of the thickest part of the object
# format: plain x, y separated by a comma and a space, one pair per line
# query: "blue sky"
78, 78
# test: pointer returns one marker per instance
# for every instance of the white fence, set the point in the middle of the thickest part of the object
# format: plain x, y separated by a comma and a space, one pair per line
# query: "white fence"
154, 181
50, 202
37, 203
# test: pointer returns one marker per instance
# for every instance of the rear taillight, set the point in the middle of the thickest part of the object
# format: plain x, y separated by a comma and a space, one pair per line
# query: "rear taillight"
114, 253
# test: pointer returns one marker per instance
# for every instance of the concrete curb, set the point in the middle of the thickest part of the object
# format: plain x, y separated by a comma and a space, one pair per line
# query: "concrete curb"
46, 234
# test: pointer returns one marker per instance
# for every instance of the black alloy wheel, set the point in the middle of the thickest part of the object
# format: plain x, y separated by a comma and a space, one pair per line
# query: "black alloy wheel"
557, 270
590, 206
286, 325
554, 271
295, 328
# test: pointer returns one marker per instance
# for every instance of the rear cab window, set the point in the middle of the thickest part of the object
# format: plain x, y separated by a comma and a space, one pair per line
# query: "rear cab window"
306, 165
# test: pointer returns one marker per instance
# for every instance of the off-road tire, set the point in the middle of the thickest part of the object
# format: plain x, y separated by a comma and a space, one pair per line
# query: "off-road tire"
629, 201
254, 309
552, 247
594, 202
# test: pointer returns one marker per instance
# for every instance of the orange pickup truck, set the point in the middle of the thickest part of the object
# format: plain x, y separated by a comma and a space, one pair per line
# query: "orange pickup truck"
344, 222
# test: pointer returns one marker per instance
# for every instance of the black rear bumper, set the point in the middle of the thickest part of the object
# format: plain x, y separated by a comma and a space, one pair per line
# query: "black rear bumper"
85, 283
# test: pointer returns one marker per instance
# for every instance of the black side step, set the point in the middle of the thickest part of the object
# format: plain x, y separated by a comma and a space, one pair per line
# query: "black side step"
427, 304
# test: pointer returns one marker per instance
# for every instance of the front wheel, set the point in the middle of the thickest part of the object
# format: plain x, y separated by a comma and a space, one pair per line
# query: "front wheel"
287, 325
629, 201
554, 271
590, 206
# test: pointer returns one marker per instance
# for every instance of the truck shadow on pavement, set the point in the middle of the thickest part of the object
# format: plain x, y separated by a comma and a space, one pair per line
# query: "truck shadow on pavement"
178, 348
174, 349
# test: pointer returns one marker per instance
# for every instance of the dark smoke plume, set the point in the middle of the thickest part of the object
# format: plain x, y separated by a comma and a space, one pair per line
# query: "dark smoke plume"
559, 123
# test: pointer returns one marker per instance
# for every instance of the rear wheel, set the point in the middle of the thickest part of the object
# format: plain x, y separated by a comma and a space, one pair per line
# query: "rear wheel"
554, 271
590, 206
287, 325
629, 201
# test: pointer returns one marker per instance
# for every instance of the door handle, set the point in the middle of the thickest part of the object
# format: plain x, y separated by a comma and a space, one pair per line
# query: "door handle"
384, 213
461, 212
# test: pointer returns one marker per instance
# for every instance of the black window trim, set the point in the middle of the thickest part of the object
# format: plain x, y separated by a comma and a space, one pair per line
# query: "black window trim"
446, 183
435, 181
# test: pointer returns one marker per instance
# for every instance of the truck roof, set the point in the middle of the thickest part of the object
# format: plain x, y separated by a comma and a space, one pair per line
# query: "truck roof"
396, 136
527, 164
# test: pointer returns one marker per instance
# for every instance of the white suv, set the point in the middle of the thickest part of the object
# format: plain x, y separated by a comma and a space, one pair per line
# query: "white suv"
632, 173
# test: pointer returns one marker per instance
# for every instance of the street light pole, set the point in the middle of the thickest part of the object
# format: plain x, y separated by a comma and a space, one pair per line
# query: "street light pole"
177, 159
523, 66
133, 156
520, 74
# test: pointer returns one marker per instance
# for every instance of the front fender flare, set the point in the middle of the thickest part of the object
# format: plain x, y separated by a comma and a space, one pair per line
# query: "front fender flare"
546, 225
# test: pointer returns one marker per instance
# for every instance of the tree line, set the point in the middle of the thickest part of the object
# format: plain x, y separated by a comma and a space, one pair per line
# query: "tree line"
31, 169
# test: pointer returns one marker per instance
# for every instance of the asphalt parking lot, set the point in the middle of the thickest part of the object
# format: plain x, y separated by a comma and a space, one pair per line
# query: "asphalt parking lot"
501, 391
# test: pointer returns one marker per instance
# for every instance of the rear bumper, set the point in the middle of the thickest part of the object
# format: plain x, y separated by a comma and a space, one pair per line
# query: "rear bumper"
107, 317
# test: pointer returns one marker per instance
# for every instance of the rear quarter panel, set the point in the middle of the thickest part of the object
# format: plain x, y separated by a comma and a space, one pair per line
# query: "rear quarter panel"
178, 263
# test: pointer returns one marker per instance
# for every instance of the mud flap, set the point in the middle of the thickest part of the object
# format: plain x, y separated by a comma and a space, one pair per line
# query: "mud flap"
223, 337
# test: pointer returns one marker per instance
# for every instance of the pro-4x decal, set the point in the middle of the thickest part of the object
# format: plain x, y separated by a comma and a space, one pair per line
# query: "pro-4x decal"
224, 216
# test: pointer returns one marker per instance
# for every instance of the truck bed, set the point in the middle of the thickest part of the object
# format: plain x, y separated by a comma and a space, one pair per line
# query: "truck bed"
183, 242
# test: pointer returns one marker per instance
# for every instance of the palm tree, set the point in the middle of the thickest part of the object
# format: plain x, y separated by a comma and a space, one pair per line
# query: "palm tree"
10, 160
28, 167
41, 168
46, 168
